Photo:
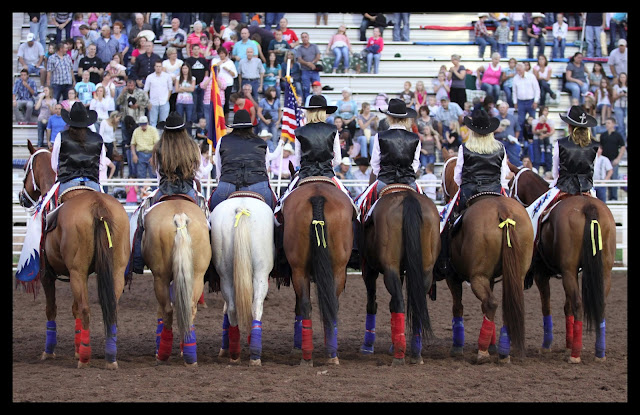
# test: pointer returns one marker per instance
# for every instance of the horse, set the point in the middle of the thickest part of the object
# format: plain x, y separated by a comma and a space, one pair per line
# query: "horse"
88, 233
401, 239
317, 242
176, 248
579, 232
494, 239
243, 257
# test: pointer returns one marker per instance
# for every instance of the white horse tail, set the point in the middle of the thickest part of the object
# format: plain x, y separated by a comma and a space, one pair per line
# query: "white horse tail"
183, 273
242, 268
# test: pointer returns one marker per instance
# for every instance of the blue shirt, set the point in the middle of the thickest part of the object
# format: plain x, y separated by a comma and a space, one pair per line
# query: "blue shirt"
21, 92
85, 91
56, 124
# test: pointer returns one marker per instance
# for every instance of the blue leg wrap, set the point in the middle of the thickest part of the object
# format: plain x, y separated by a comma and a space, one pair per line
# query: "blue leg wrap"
297, 333
331, 340
225, 333
547, 322
189, 347
504, 344
110, 348
158, 331
416, 341
50, 345
458, 331
255, 347
369, 334
600, 340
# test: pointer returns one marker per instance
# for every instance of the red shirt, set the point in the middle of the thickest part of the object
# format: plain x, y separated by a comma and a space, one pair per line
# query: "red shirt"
290, 36
247, 106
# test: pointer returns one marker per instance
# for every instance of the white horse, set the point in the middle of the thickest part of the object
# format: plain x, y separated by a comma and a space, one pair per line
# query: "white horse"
243, 255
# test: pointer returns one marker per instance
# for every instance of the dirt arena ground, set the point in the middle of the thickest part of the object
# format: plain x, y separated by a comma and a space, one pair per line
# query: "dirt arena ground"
358, 378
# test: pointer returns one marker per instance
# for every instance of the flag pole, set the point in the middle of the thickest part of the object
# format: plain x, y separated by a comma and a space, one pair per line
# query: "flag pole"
288, 78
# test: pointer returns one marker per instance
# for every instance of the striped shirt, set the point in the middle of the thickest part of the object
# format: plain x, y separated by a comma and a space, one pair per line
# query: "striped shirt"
61, 69
21, 92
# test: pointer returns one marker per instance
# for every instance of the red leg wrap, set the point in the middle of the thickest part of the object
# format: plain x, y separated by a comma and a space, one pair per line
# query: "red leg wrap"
85, 346
77, 336
234, 342
397, 335
569, 328
166, 342
576, 348
307, 339
487, 330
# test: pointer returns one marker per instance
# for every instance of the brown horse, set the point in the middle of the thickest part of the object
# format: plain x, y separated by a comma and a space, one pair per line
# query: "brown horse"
176, 247
91, 235
401, 239
580, 232
494, 239
317, 241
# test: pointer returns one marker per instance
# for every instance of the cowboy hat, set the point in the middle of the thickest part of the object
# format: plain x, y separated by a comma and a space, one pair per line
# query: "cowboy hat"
576, 116
317, 102
288, 147
481, 123
174, 122
79, 115
265, 133
534, 15
241, 119
148, 34
398, 109
483, 15
346, 161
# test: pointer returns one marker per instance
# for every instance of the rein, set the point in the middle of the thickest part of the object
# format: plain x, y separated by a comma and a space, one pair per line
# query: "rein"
513, 189
444, 170
29, 168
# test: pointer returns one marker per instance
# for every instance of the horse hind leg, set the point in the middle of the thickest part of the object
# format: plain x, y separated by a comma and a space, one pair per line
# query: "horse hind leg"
164, 330
396, 306
260, 290
481, 287
49, 287
457, 323
80, 292
370, 276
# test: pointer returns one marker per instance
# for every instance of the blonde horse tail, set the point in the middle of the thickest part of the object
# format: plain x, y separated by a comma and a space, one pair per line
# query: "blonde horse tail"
243, 269
183, 273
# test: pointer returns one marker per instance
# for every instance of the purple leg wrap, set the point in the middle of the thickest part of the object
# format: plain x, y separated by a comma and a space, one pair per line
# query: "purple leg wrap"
158, 331
331, 340
50, 345
369, 334
189, 347
110, 348
416, 341
547, 322
225, 333
255, 347
600, 340
458, 332
297, 333
504, 344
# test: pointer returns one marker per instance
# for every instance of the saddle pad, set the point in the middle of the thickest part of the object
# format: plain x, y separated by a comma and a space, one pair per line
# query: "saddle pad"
246, 193
51, 219
396, 187
177, 196
312, 179
71, 189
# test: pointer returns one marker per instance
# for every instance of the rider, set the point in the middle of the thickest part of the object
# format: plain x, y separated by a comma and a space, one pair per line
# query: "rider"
241, 158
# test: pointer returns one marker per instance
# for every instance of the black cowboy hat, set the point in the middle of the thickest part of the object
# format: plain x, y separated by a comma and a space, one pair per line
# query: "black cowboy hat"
481, 123
317, 102
174, 122
577, 116
398, 109
79, 115
241, 119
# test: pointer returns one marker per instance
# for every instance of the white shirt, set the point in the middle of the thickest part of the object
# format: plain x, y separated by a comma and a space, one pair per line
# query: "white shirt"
601, 166
158, 87
337, 152
555, 166
267, 158
526, 87
375, 153
31, 54
102, 107
172, 69
224, 74
504, 169
430, 191
560, 30
107, 132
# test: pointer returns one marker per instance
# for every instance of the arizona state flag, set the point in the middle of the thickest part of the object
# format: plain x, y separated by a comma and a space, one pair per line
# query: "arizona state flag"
219, 127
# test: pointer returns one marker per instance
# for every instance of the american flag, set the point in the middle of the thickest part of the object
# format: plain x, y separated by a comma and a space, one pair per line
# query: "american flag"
292, 114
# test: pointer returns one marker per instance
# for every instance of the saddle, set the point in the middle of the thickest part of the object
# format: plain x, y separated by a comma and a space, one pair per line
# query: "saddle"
72, 192
314, 179
374, 196
177, 196
246, 193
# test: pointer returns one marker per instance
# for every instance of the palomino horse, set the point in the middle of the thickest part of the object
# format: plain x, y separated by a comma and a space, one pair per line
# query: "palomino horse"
317, 240
91, 235
494, 239
401, 238
176, 248
243, 257
580, 232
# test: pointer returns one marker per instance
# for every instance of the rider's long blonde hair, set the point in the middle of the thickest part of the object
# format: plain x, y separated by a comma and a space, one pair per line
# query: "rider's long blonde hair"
580, 135
482, 144
319, 115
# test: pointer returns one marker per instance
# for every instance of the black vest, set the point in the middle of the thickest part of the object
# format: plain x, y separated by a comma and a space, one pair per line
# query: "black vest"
482, 172
243, 160
316, 148
397, 150
76, 161
575, 172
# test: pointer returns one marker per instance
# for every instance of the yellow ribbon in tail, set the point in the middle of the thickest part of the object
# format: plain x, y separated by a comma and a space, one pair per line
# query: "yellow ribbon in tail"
242, 212
593, 239
506, 223
106, 226
315, 223
183, 229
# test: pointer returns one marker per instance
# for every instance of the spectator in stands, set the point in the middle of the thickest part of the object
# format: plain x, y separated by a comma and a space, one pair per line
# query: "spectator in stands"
340, 46
77, 53
428, 175
502, 36
602, 170
185, 85
159, 88
482, 35
72, 97
457, 74
595, 23
142, 142
367, 127
407, 95
89, 36
595, 76
420, 93
132, 103
85, 89
38, 26
175, 37
375, 44
156, 21
240, 102
288, 34
377, 20
507, 80
452, 139
542, 72
108, 129
280, 47
227, 72
491, 76
31, 57
269, 113
44, 105
118, 74
145, 65
316, 89
251, 71
617, 30
101, 104
347, 110
441, 87
140, 49
448, 112
272, 74
343, 171
401, 28
618, 59
536, 33
308, 55
518, 21
429, 138
195, 38
199, 68
526, 163
231, 28
576, 77
24, 94
362, 173
60, 72
620, 104
172, 64
62, 21
543, 129
613, 148
123, 40
106, 45
138, 27
603, 100
55, 125
559, 30
508, 133
78, 20
526, 93
247, 91
92, 64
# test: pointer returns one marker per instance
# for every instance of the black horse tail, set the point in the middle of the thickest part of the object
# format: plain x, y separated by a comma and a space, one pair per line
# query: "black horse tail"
592, 275
417, 312
513, 283
103, 229
321, 268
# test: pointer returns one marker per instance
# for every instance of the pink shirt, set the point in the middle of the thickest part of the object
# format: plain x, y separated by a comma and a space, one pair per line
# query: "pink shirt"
492, 76
378, 42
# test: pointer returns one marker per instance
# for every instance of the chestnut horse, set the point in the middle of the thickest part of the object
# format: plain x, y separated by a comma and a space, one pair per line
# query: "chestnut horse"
401, 239
317, 242
580, 232
91, 235
495, 239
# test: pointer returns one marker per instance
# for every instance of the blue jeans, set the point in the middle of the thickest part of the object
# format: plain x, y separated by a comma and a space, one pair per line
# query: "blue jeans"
272, 128
577, 90
493, 90
307, 78
525, 107
502, 49
364, 148
601, 193
79, 181
426, 159
133, 171
545, 89
620, 114
375, 59
540, 41
535, 154
593, 39
40, 30
342, 54
198, 99
224, 189
616, 33
364, 24
483, 41
186, 111
60, 91
401, 35
507, 92
143, 168
41, 134
558, 48
207, 116
517, 24
156, 26
67, 31
158, 113
272, 19
613, 191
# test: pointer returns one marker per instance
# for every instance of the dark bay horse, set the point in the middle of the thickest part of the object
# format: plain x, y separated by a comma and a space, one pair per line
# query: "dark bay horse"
495, 239
317, 240
401, 239
91, 236
579, 233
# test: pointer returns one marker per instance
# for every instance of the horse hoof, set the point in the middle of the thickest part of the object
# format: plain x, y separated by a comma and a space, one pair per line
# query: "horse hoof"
416, 360
456, 351
545, 350
255, 362
492, 349
161, 362
504, 359
77, 355
397, 362
333, 361
223, 353
600, 359
234, 361
366, 349
82, 365
111, 365
194, 364
46, 356
483, 357
574, 359
304, 362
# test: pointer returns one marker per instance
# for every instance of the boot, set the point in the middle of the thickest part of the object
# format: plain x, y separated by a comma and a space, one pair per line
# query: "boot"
137, 265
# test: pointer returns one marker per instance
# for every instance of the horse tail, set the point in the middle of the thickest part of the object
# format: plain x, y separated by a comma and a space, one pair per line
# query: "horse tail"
417, 312
321, 267
243, 269
513, 285
182, 273
103, 228
592, 274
